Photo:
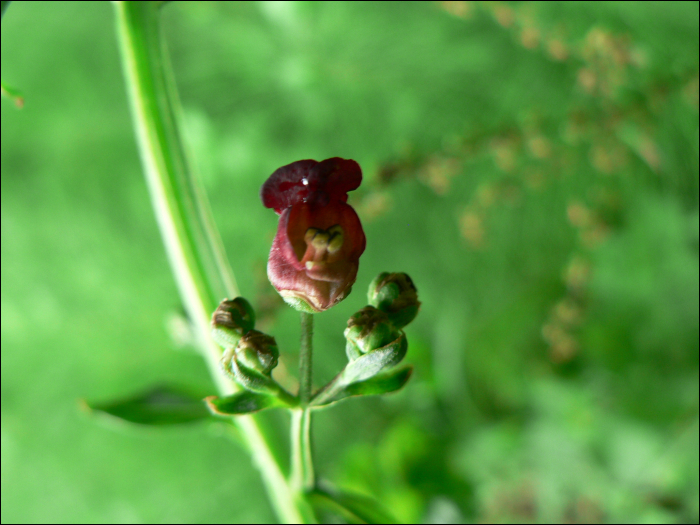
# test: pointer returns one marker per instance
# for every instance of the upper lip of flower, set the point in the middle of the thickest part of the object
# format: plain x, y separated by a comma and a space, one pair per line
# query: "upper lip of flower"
312, 182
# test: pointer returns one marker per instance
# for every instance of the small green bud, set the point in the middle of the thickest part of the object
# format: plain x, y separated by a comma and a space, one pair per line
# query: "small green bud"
396, 295
231, 321
251, 362
368, 330
258, 352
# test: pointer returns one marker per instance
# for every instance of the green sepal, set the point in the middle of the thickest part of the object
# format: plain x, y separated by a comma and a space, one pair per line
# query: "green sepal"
252, 379
332, 506
377, 385
371, 363
158, 406
225, 338
405, 316
299, 304
244, 402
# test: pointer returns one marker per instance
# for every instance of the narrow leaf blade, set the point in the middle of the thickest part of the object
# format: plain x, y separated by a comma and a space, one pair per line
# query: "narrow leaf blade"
380, 384
333, 506
244, 402
158, 406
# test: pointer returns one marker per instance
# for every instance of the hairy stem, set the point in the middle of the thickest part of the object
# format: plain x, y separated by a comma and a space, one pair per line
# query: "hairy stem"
190, 237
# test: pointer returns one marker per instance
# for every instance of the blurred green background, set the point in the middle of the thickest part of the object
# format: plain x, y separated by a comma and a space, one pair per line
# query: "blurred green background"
533, 167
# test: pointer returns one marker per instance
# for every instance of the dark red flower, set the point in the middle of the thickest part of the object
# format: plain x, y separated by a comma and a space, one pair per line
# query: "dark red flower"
315, 255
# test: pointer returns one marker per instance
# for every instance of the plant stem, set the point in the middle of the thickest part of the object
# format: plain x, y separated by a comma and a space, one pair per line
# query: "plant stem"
190, 237
302, 477
306, 358
302, 462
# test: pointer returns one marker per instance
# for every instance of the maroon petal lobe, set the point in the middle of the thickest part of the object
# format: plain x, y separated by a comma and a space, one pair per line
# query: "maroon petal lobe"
339, 176
285, 186
308, 181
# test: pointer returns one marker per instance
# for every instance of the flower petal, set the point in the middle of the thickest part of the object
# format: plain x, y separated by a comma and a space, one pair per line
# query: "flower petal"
323, 281
309, 181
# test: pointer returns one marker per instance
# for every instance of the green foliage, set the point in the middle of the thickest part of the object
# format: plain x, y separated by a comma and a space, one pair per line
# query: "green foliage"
241, 403
332, 506
378, 384
158, 406
533, 167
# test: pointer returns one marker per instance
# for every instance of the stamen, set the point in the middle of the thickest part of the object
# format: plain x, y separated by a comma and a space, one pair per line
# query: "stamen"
336, 243
336, 240
310, 234
320, 240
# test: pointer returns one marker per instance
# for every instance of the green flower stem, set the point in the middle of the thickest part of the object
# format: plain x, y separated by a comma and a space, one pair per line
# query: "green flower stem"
305, 358
191, 241
302, 463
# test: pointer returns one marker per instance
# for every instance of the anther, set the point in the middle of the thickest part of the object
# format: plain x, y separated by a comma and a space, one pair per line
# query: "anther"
310, 234
336, 240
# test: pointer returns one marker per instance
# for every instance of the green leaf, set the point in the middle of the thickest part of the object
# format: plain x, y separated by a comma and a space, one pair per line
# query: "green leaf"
158, 406
343, 507
381, 384
243, 402
362, 369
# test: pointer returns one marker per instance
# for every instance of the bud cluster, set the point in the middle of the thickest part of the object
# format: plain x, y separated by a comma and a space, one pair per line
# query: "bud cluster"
393, 304
250, 355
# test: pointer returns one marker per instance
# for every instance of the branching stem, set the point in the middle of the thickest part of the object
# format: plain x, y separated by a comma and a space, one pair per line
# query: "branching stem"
196, 257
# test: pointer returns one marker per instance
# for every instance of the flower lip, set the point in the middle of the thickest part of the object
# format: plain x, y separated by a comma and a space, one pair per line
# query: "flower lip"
311, 182
329, 234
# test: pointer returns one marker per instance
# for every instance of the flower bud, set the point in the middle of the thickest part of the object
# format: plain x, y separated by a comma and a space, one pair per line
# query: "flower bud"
368, 330
232, 320
251, 362
396, 295
258, 352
